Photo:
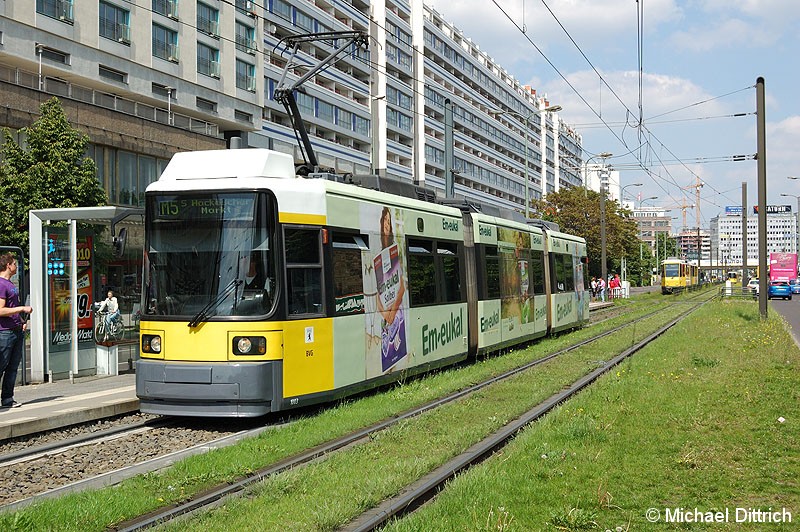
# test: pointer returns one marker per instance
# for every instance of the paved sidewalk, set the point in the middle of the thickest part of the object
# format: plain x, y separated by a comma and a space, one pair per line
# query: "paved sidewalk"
62, 403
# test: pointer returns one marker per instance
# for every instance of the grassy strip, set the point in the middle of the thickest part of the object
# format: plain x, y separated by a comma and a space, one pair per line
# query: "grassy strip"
330, 493
690, 422
96, 510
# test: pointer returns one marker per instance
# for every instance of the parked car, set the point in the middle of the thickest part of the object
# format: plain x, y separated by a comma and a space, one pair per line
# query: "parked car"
779, 289
794, 284
753, 285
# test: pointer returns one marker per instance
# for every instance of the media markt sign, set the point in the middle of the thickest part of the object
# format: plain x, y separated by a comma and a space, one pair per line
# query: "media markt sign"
59, 279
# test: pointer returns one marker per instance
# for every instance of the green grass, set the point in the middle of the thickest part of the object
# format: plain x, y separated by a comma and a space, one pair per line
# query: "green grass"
100, 509
328, 494
691, 422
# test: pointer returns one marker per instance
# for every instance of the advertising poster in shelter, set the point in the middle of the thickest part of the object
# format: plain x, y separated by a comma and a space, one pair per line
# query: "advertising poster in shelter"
58, 283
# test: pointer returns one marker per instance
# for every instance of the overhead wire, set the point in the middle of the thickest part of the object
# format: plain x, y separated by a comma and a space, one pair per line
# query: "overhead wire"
641, 124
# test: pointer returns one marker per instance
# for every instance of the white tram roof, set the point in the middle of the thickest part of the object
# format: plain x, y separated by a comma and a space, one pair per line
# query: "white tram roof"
222, 164
301, 199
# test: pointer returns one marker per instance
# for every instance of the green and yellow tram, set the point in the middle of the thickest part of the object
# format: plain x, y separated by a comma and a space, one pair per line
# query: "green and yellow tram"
265, 291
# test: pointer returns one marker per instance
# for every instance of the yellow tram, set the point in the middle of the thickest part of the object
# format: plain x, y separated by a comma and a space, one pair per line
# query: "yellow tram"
678, 275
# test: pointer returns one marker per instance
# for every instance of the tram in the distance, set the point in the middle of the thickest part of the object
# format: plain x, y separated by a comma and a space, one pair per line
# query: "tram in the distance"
677, 275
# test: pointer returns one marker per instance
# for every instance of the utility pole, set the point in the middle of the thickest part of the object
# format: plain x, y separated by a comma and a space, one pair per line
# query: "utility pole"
603, 173
745, 276
761, 154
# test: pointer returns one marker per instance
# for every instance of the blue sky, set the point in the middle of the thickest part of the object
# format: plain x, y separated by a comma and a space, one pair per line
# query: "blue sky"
700, 62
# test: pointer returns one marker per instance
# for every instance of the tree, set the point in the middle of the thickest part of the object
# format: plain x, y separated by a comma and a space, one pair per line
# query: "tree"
577, 211
50, 171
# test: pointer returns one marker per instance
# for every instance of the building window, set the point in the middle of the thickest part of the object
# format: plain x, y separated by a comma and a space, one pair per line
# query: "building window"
206, 105
245, 38
362, 126
168, 8
282, 9
344, 119
245, 76
242, 116
162, 90
303, 21
207, 19
58, 9
113, 75
246, 6
115, 23
305, 103
54, 55
165, 43
207, 60
325, 111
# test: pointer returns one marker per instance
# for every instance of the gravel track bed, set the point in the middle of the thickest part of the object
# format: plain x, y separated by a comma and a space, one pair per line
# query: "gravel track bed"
29, 478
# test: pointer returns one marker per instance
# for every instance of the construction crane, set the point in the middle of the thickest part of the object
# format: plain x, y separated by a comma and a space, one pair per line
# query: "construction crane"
682, 206
697, 186
284, 93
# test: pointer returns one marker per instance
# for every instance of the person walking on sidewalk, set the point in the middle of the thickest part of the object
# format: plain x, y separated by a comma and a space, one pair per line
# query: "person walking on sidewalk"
13, 321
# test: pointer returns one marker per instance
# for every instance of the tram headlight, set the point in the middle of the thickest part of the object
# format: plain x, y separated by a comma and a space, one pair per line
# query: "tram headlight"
249, 345
151, 343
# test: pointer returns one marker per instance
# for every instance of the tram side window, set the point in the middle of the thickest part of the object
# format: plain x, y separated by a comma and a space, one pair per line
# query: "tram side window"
348, 273
303, 271
491, 274
421, 272
524, 267
537, 272
451, 270
563, 277
569, 272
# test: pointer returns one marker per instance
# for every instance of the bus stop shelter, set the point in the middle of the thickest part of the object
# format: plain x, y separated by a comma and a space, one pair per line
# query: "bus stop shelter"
63, 286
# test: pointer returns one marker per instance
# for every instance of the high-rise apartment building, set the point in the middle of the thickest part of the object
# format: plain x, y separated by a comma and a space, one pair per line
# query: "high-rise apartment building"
147, 79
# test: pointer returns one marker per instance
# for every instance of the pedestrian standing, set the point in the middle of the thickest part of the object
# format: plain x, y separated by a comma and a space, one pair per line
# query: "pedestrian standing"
601, 285
13, 322
594, 288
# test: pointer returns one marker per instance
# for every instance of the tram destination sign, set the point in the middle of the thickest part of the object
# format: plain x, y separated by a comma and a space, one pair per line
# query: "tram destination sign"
230, 207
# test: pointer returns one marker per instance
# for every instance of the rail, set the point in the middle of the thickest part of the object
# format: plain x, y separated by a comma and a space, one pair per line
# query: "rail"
738, 292
72, 91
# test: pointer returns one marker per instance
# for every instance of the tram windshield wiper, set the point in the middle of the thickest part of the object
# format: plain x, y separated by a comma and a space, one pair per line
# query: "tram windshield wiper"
203, 314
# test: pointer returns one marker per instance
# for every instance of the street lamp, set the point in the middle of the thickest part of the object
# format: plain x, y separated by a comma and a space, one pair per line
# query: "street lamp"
526, 118
169, 104
622, 192
39, 48
647, 199
603, 268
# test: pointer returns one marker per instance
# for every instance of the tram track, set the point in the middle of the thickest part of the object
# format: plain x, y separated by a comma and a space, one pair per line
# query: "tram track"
106, 457
425, 489
110, 456
217, 495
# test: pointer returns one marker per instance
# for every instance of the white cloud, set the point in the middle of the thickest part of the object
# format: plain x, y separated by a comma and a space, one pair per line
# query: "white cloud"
660, 94
592, 23
729, 33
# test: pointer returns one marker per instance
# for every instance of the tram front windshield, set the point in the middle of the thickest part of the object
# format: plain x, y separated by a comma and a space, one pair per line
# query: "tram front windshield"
672, 270
209, 254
